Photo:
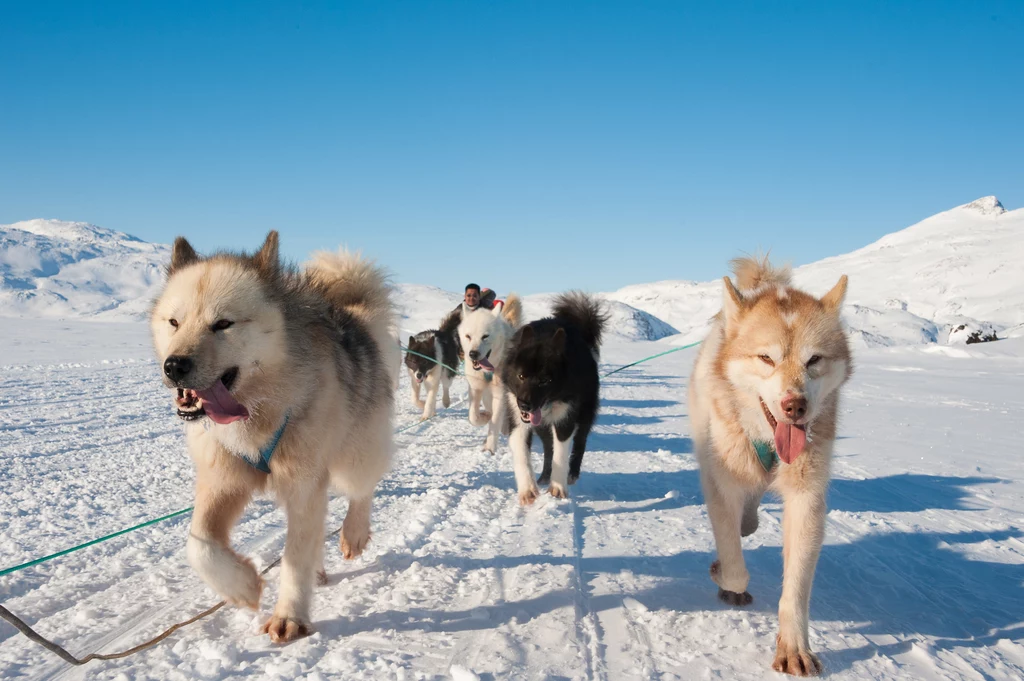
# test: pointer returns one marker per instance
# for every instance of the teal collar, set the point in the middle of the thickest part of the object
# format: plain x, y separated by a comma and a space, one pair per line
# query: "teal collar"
267, 451
765, 454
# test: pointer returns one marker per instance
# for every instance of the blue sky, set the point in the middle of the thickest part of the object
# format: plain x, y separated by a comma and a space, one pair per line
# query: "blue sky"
532, 146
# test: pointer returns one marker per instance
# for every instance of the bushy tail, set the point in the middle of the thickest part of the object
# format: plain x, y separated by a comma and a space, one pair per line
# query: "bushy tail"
755, 272
513, 311
360, 287
450, 323
584, 312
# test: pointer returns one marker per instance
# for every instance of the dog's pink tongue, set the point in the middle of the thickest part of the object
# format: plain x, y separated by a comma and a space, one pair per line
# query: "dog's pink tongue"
485, 364
220, 406
790, 441
535, 417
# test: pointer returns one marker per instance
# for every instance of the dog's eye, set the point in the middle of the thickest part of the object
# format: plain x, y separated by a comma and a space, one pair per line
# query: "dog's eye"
468, 337
766, 359
173, 322
222, 324
485, 336
522, 377
545, 381
813, 360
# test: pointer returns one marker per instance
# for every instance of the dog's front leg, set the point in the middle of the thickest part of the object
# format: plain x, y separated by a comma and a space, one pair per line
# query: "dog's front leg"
519, 441
724, 498
433, 382
417, 402
305, 507
475, 395
209, 551
498, 406
803, 531
560, 462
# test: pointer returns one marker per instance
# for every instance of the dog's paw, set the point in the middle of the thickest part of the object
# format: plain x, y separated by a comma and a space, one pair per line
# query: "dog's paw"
573, 477
528, 496
789, 659
558, 491
544, 479
286, 629
490, 445
353, 547
321, 577
420, 404
446, 401
737, 600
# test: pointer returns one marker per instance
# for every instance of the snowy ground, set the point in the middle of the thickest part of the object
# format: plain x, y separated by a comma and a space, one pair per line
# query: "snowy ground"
921, 576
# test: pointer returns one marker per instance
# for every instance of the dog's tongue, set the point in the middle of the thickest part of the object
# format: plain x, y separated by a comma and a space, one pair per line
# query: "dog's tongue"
535, 417
485, 364
220, 406
790, 441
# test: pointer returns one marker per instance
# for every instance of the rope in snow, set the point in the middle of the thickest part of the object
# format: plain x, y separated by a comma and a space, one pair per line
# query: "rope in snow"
413, 352
56, 649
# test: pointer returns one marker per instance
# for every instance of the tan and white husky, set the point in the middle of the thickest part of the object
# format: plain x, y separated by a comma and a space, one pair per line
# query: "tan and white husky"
484, 336
763, 404
283, 379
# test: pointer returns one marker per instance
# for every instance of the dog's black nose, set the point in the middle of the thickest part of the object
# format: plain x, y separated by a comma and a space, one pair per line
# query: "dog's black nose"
474, 355
177, 367
419, 374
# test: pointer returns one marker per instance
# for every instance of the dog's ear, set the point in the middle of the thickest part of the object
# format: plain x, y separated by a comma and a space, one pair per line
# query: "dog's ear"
527, 334
496, 310
732, 301
182, 255
465, 310
266, 259
411, 341
833, 300
558, 342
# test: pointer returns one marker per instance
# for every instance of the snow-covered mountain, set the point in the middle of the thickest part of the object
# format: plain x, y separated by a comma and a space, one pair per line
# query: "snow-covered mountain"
937, 281
918, 285
53, 269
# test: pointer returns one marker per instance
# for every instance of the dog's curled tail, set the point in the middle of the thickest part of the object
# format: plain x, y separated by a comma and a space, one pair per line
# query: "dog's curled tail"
450, 324
755, 272
360, 287
512, 312
583, 311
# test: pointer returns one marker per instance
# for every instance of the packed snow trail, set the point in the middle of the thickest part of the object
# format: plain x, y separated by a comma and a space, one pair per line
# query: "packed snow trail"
920, 576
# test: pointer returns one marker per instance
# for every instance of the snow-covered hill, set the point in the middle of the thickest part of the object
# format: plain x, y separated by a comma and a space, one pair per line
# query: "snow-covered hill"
54, 269
958, 268
937, 281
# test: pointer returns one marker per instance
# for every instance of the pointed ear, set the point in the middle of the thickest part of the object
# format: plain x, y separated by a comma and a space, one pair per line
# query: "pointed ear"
496, 310
833, 300
266, 259
182, 255
465, 310
527, 334
558, 341
732, 301
411, 341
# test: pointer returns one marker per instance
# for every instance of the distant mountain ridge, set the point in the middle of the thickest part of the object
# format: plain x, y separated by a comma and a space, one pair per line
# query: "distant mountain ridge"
939, 280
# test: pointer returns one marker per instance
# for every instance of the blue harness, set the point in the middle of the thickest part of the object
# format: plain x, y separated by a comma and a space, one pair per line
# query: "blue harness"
263, 465
765, 454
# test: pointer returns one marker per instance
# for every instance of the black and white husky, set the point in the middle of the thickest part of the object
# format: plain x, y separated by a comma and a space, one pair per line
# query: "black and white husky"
432, 361
550, 375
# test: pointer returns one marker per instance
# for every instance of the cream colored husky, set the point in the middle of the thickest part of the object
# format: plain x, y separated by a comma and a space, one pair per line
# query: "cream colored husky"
485, 335
763, 405
283, 380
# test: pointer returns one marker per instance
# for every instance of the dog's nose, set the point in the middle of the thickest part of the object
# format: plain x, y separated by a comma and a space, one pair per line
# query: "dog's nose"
419, 375
177, 367
794, 406
474, 355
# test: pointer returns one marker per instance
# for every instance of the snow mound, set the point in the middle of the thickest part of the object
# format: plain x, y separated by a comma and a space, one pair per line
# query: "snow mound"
909, 287
624, 320
53, 269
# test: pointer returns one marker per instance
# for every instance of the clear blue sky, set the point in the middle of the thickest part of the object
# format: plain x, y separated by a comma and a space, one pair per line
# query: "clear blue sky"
533, 146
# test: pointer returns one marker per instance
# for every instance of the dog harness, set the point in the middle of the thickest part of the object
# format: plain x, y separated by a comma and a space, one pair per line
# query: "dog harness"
263, 465
765, 454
